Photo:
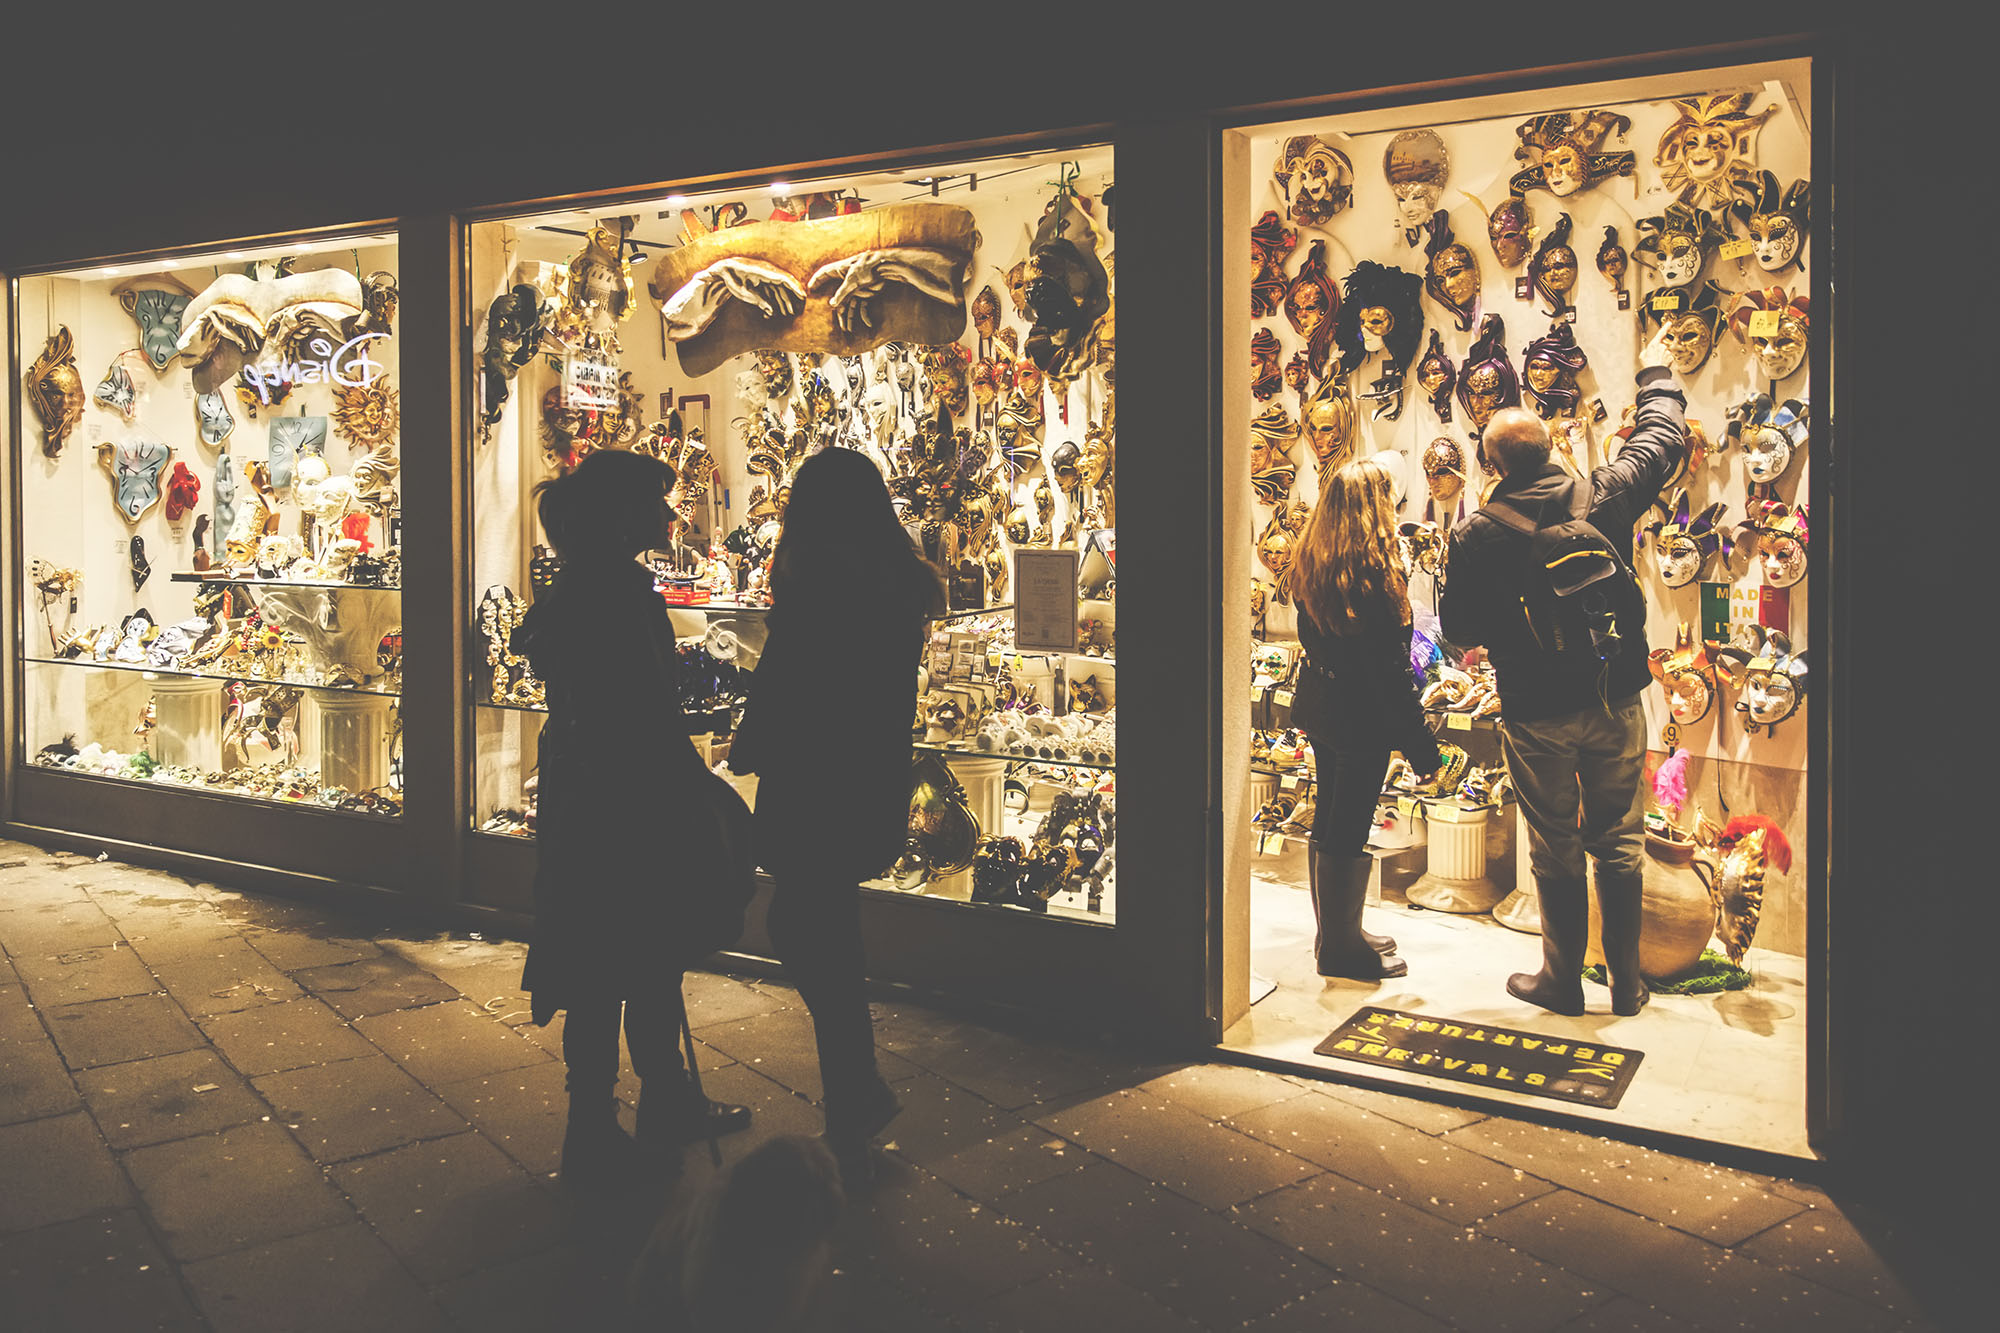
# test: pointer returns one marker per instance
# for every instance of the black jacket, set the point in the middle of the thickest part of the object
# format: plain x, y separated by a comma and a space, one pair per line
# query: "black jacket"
1358, 690
1486, 575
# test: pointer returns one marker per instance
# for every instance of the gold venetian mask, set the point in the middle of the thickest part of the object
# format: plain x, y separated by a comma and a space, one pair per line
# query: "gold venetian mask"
1329, 420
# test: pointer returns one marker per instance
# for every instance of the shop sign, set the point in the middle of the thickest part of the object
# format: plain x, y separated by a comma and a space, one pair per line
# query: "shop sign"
1045, 601
588, 382
1727, 612
348, 365
1534, 1063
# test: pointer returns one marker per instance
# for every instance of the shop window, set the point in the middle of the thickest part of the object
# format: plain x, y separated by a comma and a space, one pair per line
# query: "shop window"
210, 526
952, 323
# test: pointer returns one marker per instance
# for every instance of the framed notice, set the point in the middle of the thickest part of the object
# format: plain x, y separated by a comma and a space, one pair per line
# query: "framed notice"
588, 382
1045, 601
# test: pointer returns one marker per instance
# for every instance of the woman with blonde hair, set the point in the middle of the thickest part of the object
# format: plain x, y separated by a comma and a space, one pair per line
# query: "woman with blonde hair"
1356, 700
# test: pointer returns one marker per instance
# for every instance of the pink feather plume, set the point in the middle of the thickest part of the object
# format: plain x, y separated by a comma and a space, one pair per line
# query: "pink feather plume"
1670, 787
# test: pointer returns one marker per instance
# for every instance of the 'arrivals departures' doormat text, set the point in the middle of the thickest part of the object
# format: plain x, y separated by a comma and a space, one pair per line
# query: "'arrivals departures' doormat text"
1492, 1057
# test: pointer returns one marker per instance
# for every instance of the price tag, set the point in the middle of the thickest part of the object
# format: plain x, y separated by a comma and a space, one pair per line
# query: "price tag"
1458, 721
1666, 301
1289, 783
1670, 737
1735, 249
1406, 806
1522, 291
1282, 698
1760, 664
1763, 324
1256, 695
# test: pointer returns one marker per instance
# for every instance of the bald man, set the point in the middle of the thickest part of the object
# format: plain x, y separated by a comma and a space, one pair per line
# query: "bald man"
1573, 731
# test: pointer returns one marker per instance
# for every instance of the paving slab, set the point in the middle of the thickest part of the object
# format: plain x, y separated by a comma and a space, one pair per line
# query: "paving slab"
270, 1038
222, 976
103, 1032
714, 998
1348, 1304
1401, 1162
294, 950
939, 1118
354, 1107
1661, 1266
374, 985
1444, 1270
159, 934
1825, 1245
1221, 1092
779, 1043
167, 1097
952, 1252
58, 1169
522, 1111
1716, 1203
449, 1206
1212, 1164
529, 1294
1009, 1160
1081, 1297
92, 1275
337, 1280
1430, 1117
1622, 1314
36, 929
240, 1187
441, 1043
82, 973
1008, 1070
34, 1081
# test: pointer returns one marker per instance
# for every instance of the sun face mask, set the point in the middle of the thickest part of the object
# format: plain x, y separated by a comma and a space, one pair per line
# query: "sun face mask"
1780, 340
1777, 223
135, 465
1451, 273
1312, 305
1563, 152
1436, 376
1271, 244
1382, 312
1708, 147
1318, 180
1417, 167
1549, 366
1769, 434
1683, 546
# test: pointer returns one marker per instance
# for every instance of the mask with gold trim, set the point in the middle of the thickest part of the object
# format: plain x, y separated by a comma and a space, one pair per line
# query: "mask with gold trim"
1549, 367
1265, 377
1436, 376
54, 388
1486, 382
1708, 147
1271, 468
1771, 678
1750, 848
1777, 223
1687, 677
1317, 179
1612, 261
1553, 268
1778, 354
1451, 272
1684, 545
1781, 536
1382, 312
1271, 243
1563, 152
1769, 433
1328, 422
1508, 230
1417, 166
1312, 307
1679, 243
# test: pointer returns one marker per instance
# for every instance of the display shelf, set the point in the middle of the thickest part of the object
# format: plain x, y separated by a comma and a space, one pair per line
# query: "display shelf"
733, 608
512, 708
173, 674
970, 614
961, 752
253, 580
219, 789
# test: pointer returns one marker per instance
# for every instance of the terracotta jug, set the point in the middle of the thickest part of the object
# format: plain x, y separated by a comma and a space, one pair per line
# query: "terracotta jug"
1677, 915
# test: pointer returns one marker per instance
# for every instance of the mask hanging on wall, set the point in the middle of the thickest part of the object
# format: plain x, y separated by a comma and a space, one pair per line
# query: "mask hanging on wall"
1444, 470
513, 338
1709, 146
1612, 261
1777, 223
1553, 268
1328, 423
1769, 433
1271, 244
1265, 377
1272, 471
1781, 539
367, 415
1779, 351
1451, 273
55, 390
1417, 167
1381, 312
1312, 306
1563, 152
1691, 332
1318, 180
1684, 545
1678, 245
1436, 376
1770, 678
1510, 230
1549, 367
1486, 382
1686, 676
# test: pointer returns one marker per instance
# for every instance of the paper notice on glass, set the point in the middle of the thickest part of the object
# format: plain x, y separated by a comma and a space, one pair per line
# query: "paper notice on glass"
589, 383
1045, 601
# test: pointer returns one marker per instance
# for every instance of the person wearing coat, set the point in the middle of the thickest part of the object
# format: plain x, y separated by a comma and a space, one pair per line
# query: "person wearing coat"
1356, 700
615, 764
827, 731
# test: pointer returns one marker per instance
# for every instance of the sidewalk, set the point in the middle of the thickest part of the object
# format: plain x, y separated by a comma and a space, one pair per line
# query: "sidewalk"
228, 1112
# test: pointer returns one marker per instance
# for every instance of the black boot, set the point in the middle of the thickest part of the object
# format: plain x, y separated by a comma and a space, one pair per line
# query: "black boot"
1339, 890
1379, 943
1558, 987
1619, 902
597, 1153
853, 1118
675, 1115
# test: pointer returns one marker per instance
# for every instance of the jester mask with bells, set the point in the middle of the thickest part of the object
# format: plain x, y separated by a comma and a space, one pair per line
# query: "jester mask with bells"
1451, 272
1678, 244
1383, 312
1318, 180
1781, 536
1708, 147
1684, 545
1770, 678
1563, 152
1328, 422
1437, 376
1612, 261
1549, 367
1769, 433
55, 389
1554, 267
1687, 677
1272, 435
837, 284
1486, 382
1779, 351
1777, 223
1271, 243
1417, 167
1748, 848
1312, 307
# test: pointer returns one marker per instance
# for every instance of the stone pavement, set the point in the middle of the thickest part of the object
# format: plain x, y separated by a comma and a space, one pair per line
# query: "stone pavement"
229, 1112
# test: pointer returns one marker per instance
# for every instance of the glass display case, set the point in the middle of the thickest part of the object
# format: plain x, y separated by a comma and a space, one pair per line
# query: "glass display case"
951, 322
209, 523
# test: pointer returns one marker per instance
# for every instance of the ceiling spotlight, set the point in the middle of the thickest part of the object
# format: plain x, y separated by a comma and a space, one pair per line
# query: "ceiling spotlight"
677, 201
780, 188
110, 272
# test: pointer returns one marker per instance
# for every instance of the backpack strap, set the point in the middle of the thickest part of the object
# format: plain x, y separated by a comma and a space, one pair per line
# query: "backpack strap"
1504, 513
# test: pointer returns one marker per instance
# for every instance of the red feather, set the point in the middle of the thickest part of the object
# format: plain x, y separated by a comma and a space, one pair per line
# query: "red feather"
1777, 848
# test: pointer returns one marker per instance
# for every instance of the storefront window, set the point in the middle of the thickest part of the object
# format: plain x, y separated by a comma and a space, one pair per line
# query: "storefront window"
209, 523
1410, 271
952, 323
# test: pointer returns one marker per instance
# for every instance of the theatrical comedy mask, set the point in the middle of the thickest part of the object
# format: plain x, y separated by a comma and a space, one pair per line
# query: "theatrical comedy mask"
1382, 312
1777, 223
1779, 342
1563, 152
1417, 166
1318, 180
1683, 546
1769, 433
1451, 273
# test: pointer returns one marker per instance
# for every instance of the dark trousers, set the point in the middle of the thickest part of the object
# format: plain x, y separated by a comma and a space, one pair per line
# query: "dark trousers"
1350, 788
590, 1041
815, 929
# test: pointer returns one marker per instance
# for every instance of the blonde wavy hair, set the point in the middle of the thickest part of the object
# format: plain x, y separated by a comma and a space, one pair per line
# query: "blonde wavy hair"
1347, 573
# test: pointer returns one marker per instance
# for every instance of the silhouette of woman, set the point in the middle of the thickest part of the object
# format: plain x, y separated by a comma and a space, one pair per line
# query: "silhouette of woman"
828, 731
615, 765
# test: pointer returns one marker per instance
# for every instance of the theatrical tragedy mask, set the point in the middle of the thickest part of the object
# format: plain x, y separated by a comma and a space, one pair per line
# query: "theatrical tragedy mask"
1686, 676
1612, 260
1486, 382
1436, 376
158, 315
1679, 243
1507, 228
1329, 425
1271, 243
1684, 544
135, 465
1550, 365
1265, 377
1769, 434
1554, 267
1777, 223
1780, 351
1451, 273
1417, 166
1708, 147
1563, 152
1312, 305
1444, 469
1317, 179
55, 389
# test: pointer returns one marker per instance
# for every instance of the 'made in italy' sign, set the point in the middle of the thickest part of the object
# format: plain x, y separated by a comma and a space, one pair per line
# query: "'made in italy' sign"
1530, 1062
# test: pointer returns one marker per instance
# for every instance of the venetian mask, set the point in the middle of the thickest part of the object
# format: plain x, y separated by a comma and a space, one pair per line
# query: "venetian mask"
1769, 434
1777, 223
1550, 365
1099, 457
158, 315
1271, 242
1554, 267
1329, 423
1507, 229
1782, 350
1265, 377
1316, 178
1017, 288
1451, 274
1486, 382
1678, 243
1770, 675
986, 312
1376, 321
1312, 304
1685, 675
1708, 147
1382, 312
379, 295
1781, 544
1271, 435
1691, 334
945, 367
1436, 375
1612, 260
135, 465
1563, 152
776, 368
1274, 549
1417, 166
1444, 469
55, 390
1684, 545
1028, 378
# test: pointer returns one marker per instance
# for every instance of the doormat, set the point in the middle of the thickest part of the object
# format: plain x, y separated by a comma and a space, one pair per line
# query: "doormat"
1527, 1062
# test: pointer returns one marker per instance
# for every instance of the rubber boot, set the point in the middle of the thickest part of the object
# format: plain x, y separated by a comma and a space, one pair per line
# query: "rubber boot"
1339, 890
597, 1153
1558, 987
1379, 943
1619, 899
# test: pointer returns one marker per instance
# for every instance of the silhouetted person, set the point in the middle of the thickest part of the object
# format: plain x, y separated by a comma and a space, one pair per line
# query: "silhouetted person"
828, 731
616, 763
1574, 735
1356, 700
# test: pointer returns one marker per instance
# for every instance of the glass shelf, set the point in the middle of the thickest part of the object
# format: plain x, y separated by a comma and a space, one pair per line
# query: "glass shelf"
970, 614
218, 789
734, 608
960, 752
253, 580
172, 673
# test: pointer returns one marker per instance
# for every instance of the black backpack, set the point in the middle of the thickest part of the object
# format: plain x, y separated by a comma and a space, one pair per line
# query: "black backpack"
1579, 597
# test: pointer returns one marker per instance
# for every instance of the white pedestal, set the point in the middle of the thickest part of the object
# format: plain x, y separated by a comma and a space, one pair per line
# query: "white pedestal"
187, 723
1457, 879
985, 789
352, 729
